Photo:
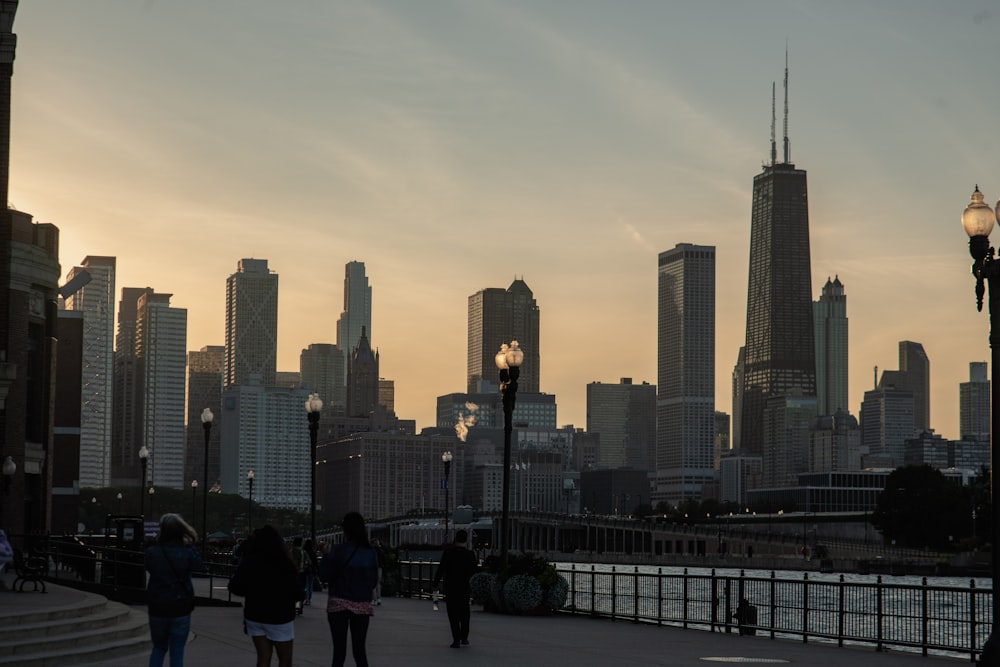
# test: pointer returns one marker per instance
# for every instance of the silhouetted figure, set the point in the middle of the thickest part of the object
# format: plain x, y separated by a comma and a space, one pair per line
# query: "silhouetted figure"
746, 617
457, 566
169, 592
351, 570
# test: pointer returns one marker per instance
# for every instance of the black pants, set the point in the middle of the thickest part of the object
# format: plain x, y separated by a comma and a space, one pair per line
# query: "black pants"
339, 622
458, 615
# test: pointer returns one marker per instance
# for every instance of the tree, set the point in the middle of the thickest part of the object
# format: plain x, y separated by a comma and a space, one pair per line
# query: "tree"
920, 507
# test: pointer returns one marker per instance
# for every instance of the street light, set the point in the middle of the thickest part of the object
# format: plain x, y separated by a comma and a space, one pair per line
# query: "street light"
151, 513
508, 361
978, 219
9, 468
249, 500
194, 495
206, 423
446, 459
119, 502
313, 406
144, 460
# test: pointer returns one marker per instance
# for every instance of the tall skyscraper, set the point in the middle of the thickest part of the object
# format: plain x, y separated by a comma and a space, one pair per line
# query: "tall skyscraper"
160, 350
357, 315
737, 388
125, 414
96, 300
204, 391
780, 345
974, 404
624, 415
830, 325
914, 376
886, 425
362, 379
498, 316
685, 373
251, 325
321, 367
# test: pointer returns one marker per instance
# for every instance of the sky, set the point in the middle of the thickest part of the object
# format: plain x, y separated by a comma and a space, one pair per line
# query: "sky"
457, 145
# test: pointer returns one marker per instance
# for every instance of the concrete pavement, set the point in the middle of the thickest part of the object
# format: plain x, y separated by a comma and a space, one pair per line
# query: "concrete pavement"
408, 632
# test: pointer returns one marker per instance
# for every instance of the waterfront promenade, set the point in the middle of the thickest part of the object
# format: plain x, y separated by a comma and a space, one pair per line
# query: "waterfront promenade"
408, 632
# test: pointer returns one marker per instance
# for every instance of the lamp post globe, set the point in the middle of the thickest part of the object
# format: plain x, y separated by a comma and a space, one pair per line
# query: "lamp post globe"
446, 459
206, 423
314, 405
508, 361
977, 220
194, 495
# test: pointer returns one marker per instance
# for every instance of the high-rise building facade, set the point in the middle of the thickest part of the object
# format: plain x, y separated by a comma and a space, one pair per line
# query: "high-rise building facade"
362, 379
263, 430
125, 415
914, 376
624, 415
321, 367
161, 351
780, 345
886, 425
498, 316
251, 325
737, 389
204, 391
96, 300
830, 326
974, 404
357, 315
685, 400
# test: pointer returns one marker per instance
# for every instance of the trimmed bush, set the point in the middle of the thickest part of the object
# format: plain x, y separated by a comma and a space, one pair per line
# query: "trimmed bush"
555, 596
481, 584
522, 592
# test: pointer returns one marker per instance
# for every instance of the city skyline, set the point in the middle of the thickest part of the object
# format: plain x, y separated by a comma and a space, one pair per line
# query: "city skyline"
588, 138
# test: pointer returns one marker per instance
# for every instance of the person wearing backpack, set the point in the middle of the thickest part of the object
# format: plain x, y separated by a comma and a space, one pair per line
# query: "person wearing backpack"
170, 592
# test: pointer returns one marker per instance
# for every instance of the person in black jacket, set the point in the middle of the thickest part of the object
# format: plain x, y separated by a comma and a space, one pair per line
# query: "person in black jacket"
269, 580
169, 592
457, 566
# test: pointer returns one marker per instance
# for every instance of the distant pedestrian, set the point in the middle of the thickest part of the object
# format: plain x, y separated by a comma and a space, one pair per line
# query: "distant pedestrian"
300, 559
311, 568
351, 571
377, 593
269, 580
457, 566
746, 617
170, 592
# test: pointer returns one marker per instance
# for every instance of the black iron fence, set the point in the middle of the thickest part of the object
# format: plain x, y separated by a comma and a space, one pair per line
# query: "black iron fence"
943, 620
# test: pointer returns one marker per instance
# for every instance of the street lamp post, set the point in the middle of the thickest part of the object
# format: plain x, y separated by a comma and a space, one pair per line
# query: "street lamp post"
144, 460
206, 424
446, 459
508, 361
194, 496
249, 501
313, 406
119, 502
978, 219
151, 493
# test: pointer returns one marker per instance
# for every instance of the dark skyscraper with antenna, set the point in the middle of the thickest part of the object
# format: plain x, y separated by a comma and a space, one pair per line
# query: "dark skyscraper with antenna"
780, 353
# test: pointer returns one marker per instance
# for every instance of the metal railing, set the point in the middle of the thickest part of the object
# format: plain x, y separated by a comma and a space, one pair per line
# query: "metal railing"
942, 620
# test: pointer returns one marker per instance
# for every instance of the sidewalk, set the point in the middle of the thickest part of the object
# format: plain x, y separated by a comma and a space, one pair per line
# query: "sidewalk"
408, 632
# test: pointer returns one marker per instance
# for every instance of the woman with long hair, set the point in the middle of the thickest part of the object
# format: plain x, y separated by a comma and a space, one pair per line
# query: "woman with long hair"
170, 592
351, 570
269, 580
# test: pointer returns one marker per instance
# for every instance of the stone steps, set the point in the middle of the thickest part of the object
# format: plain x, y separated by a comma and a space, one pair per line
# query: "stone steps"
88, 631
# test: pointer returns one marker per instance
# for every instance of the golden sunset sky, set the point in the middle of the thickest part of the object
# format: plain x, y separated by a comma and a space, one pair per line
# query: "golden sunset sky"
453, 146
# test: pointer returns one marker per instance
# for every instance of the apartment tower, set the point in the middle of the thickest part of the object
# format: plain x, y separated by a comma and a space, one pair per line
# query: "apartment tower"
685, 373
96, 301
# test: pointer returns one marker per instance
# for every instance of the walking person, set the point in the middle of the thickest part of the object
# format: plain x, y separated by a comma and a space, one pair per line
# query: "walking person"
299, 558
311, 568
268, 579
457, 566
170, 592
351, 570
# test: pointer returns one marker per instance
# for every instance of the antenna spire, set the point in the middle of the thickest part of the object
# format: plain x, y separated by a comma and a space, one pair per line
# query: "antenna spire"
774, 149
787, 157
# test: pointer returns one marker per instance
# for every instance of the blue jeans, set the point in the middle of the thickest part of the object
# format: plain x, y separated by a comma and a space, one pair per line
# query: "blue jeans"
168, 634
